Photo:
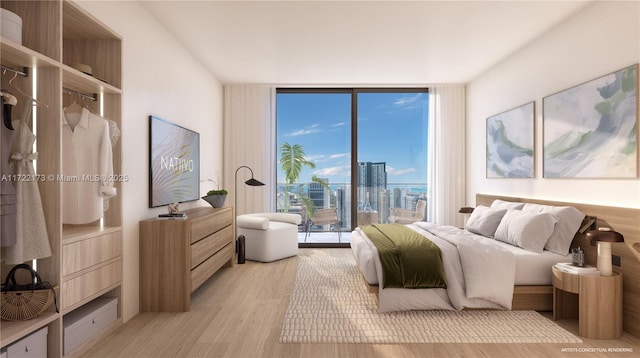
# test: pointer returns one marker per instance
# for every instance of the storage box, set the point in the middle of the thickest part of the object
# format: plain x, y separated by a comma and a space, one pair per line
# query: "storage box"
87, 321
11, 26
31, 346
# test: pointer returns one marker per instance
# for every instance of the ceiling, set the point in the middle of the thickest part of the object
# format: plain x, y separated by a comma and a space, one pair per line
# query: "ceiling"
356, 42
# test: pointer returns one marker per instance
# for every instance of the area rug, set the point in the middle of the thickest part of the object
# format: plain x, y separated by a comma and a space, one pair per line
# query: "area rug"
330, 303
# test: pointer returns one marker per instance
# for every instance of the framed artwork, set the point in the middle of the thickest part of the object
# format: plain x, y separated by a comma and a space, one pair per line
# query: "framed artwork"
591, 130
510, 143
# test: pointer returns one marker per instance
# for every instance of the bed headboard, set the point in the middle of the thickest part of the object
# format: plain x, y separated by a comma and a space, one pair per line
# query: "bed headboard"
624, 220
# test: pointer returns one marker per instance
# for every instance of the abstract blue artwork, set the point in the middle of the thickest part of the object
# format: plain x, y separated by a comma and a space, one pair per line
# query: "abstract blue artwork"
510, 143
591, 130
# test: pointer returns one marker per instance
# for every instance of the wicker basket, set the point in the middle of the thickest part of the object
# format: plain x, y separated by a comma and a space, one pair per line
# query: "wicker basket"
24, 302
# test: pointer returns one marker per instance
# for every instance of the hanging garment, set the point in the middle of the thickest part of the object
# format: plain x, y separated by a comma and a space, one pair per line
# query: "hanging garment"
7, 189
32, 241
114, 135
87, 166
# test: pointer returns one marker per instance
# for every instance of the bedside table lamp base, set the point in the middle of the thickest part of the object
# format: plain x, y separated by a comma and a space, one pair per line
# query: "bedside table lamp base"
604, 236
604, 258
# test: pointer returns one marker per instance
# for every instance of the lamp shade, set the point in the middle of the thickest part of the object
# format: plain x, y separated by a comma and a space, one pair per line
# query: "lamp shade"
250, 182
254, 182
605, 235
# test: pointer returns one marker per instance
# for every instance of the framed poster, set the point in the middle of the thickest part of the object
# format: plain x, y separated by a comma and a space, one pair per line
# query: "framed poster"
591, 130
510, 143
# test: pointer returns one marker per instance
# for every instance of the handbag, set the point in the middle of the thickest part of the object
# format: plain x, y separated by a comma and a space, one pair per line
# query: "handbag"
24, 302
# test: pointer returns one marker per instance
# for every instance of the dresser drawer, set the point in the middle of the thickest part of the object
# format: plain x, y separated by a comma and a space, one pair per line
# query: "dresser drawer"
88, 320
204, 226
84, 286
34, 345
83, 254
208, 246
201, 273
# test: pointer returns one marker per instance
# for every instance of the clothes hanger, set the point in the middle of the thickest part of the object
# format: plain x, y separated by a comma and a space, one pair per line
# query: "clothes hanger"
73, 107
13, 85
73, 113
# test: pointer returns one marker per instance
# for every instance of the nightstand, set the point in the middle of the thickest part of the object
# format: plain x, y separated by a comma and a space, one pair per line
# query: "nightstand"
595, 300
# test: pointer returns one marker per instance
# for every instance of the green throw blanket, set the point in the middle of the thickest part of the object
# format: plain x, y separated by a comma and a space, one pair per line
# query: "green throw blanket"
408, 259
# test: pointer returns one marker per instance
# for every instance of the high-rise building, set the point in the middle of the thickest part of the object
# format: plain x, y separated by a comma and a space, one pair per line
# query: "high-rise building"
319, 195
372, 178
343, 204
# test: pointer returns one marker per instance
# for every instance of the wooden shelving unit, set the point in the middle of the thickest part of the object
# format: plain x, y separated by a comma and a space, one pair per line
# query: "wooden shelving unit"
56, 34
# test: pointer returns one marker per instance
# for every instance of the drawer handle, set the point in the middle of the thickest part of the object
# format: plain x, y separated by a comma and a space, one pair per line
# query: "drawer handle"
27, 348
93, 321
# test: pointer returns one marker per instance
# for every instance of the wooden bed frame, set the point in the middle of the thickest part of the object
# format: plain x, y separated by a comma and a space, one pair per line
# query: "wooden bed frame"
624, 220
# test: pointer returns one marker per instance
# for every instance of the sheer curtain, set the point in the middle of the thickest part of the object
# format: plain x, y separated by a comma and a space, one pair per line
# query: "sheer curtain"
249, 139
446, 154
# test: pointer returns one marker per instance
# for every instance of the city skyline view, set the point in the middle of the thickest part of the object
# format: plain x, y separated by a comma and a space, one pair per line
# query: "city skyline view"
392, 128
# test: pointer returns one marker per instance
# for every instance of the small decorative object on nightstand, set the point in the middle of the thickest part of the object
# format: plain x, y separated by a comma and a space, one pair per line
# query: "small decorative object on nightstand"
595, 300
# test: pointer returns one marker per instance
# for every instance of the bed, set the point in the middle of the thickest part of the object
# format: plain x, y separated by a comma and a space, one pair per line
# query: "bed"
482, 271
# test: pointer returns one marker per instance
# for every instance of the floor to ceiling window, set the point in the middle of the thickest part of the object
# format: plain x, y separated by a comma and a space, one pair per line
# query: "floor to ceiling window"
332, 140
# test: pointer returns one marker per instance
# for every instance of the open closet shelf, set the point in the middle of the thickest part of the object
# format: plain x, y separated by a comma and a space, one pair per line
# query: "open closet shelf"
84, 83
12, 331
18, 56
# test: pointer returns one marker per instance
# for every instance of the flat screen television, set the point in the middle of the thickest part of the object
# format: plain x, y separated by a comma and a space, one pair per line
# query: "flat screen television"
174, 163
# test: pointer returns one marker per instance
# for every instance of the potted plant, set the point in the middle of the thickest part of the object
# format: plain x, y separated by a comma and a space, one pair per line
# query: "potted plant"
217, 197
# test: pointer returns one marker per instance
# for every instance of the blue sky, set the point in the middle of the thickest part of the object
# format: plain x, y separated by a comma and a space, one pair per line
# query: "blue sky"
392, 128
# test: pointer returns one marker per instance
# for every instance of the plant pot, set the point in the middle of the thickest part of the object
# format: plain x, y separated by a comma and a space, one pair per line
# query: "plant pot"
217, 201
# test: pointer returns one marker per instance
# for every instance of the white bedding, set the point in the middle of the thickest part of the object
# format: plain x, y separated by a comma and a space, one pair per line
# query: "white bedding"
484, 285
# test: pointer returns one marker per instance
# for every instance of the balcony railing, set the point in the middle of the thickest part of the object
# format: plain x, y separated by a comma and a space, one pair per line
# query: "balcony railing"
377, 209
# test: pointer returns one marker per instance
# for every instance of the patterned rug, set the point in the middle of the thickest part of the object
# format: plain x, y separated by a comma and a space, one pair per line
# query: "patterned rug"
330, 302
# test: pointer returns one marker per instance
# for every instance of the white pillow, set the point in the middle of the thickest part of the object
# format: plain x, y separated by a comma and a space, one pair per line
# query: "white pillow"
569, 221
484, 220
501, 204
527, 230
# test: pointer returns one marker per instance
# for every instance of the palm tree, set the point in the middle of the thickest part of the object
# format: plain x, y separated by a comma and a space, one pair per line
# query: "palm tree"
292, 159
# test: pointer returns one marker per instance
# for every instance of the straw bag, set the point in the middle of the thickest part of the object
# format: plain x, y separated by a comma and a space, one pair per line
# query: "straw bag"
23, 302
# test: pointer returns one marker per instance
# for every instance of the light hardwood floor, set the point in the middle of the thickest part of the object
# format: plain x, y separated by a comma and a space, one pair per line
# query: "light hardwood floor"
239, 312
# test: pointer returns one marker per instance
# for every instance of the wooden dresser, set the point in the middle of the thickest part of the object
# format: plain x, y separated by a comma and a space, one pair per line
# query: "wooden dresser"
179, 255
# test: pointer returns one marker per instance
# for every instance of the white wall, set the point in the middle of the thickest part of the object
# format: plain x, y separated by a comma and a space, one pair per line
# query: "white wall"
601, 39
161, 78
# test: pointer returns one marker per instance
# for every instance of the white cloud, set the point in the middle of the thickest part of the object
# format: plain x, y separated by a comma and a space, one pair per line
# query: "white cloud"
394, 171
340, 155
315, 128
337, 170
410, 101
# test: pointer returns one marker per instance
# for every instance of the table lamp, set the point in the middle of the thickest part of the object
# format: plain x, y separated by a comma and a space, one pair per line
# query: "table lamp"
604, 236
